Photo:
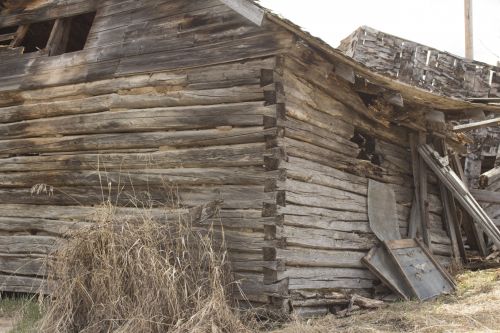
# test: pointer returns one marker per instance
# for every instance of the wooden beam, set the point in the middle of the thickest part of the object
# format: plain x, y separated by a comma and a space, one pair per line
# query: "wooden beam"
489, 177
478, 124
486, 196
472, 232
6, 37
415, 220
247, 9
423, 195
450, 214
20, 34
59, 37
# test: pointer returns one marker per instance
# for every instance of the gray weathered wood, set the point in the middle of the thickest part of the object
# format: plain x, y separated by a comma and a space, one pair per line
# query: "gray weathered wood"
380, 263
382, 211
248, 9
419, 269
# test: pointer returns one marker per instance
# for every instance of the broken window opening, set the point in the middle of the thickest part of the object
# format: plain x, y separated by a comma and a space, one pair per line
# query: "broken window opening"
7, 35
73, 35
367, 147
37, 36
56, 36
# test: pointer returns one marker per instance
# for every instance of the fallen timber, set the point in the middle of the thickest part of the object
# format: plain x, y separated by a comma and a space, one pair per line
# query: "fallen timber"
441, 168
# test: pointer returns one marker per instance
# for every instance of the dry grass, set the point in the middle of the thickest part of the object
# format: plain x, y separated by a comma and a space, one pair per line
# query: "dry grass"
138, 275
474, 308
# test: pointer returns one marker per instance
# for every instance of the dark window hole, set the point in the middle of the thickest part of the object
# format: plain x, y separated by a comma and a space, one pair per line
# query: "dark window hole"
37, 36
488, 163
8, 30
79, 30
367, 145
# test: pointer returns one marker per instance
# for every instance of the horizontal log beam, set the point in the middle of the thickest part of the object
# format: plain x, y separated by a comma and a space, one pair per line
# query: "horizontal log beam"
486, 196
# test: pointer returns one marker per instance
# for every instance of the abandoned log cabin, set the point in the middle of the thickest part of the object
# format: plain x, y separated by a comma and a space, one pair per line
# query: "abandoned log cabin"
167, 101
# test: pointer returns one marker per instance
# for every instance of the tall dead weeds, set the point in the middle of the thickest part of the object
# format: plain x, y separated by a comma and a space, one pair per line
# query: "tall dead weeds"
138, 273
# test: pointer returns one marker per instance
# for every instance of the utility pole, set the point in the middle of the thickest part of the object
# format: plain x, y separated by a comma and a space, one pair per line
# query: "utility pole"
469, 31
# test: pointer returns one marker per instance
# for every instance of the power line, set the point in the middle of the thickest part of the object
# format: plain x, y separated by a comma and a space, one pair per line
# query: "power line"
488, 49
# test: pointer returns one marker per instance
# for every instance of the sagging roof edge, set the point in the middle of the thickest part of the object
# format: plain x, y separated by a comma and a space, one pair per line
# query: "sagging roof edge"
408, 92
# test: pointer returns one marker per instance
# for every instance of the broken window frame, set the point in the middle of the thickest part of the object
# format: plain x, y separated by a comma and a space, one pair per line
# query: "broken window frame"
16, 37
58, 39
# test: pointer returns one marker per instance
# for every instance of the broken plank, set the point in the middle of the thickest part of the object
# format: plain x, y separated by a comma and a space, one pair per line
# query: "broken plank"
476, 125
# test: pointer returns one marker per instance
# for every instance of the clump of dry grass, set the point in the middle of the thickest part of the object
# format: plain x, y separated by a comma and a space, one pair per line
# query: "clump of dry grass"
137, 274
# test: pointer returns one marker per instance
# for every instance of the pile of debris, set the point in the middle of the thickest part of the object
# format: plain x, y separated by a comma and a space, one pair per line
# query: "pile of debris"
407, 266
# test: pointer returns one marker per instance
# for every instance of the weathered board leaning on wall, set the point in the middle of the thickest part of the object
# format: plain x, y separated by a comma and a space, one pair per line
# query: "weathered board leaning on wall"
176, 101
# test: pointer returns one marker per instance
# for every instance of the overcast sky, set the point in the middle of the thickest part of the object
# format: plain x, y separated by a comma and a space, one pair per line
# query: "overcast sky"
436, 23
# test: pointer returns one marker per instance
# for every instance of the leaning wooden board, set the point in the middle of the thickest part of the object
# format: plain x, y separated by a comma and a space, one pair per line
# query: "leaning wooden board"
419, 269
381, 264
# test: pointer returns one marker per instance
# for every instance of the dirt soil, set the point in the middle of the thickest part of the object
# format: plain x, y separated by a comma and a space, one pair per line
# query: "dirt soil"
474, 308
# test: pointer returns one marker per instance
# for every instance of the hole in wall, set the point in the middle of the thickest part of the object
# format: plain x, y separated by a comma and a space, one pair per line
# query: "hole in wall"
368, 146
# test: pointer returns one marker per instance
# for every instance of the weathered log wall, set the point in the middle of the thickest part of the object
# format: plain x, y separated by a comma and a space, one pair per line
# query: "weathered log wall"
164, 106
322, 228
187, 101
202, 144
130, 37
422, 66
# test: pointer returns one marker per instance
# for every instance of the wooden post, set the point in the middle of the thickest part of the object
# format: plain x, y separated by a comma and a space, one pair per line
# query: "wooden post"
423, 201
469, 31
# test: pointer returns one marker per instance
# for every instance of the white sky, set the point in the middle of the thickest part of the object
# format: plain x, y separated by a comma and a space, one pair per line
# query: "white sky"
436, 23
